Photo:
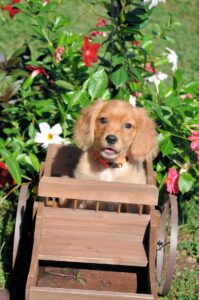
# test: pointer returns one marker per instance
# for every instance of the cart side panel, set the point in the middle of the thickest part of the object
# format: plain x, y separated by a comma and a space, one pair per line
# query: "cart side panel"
33, 272
63, 294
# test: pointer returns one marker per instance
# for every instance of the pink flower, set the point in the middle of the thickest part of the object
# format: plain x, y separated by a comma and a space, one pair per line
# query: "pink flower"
195, 140
11, 10
136, 43
172, 181
59, 51
187, 96
89, 52
45, 2
101, 23
149, 68
35, 71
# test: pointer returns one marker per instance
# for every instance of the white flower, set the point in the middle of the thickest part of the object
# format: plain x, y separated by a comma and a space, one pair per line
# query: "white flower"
45, 2
132, 100
48, 135
157, 78
154, 2
172, 58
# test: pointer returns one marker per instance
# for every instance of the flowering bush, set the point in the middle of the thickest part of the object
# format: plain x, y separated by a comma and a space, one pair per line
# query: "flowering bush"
45, 84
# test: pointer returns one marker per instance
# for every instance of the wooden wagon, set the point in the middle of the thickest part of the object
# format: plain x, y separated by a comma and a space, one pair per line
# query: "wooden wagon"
122, 245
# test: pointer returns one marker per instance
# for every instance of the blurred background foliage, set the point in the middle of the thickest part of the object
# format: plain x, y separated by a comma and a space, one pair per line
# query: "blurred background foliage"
82, 15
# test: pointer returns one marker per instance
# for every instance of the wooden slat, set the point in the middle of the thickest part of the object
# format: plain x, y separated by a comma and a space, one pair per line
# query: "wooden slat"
4, 294
93, 237
41, 293
33, 271
97, 190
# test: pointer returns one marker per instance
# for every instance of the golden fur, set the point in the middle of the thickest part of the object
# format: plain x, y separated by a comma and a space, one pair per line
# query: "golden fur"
138, 143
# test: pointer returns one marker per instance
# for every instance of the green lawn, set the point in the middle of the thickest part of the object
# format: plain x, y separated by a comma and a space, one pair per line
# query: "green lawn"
186, 45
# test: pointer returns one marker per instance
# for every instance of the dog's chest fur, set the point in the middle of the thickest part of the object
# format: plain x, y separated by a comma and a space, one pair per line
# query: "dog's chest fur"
111, 174
91, 169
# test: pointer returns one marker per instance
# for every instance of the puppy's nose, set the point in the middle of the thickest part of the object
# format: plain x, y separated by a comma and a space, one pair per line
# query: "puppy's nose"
111, 139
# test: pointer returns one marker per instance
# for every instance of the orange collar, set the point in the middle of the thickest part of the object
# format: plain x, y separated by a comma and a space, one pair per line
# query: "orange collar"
110, 164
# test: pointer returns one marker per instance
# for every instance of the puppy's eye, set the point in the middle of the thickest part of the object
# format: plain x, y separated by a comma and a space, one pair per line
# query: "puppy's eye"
103, 120
128, 125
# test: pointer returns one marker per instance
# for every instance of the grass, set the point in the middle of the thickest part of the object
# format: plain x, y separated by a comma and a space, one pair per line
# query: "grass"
186, 45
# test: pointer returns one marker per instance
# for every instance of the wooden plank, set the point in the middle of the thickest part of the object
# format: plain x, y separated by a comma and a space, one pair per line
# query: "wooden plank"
4, 294
151, 175
116, 192
152, 250
41, 293
33, 271
93, 237
81, 215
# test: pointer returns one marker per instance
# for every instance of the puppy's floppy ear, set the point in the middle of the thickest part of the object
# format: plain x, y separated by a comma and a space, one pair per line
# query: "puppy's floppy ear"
144, 145
85, 126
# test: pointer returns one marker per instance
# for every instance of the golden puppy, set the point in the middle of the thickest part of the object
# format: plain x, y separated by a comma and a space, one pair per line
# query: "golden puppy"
116, 139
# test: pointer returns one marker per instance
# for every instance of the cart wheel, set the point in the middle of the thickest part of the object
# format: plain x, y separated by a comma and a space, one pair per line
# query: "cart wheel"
167, 244
4, 294
19, 219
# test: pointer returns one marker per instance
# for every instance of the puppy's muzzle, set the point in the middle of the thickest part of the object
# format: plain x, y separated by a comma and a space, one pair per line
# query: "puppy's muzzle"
111, 139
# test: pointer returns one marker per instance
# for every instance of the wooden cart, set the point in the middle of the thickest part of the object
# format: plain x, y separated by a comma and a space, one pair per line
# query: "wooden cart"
103, 240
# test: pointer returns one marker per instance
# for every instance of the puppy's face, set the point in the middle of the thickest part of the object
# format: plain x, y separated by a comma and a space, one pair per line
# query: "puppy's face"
115, 127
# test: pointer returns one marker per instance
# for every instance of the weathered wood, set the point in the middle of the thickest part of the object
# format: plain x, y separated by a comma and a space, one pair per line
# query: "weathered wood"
92, 190
152, 249
93, 237
4, 294
33, 271
151, 175
41, 293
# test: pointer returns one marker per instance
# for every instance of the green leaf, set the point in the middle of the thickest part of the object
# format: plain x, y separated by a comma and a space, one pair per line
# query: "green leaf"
138, 75
177, 80
12, 165
147, 45
74, 98
192, 87
31, 131
119, 77
35, 162
160, 62
166, 146
106, 95
160, 114
185, 182
64, 84
2, 143
97, 84
28, 82
172, 101
162, 180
